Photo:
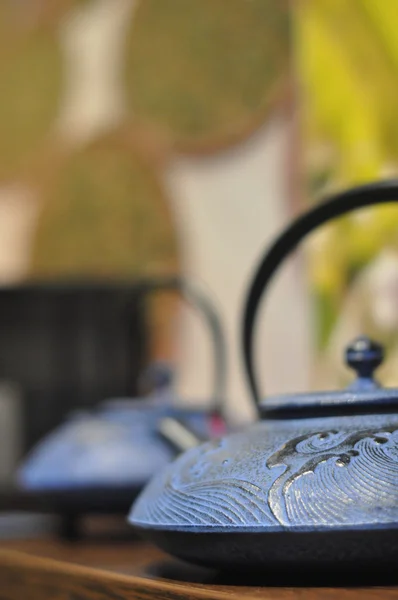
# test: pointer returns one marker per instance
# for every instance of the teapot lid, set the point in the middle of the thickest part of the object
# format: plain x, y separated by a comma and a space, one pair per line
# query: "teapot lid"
363, 395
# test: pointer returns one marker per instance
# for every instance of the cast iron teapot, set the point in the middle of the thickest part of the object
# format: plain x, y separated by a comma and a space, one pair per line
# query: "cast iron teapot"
99, 459
314, 484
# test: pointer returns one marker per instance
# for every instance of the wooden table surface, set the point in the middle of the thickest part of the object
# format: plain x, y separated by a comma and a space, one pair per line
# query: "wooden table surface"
130, 570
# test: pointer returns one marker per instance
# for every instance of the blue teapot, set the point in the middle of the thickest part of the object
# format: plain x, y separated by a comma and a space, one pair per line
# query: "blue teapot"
102, 458
314, 484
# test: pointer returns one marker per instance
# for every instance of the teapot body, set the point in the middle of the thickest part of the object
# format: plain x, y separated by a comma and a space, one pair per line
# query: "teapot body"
309, 474
287, 493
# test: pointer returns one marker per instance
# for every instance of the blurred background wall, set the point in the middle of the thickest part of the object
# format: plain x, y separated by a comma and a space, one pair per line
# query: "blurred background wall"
143, 137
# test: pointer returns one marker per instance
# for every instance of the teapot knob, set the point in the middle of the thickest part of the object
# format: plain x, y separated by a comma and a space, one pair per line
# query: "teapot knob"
364, 356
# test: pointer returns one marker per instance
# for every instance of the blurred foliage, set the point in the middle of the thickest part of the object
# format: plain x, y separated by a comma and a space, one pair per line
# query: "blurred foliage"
205, 68
348, 61
350, 83
31, 82
105, 216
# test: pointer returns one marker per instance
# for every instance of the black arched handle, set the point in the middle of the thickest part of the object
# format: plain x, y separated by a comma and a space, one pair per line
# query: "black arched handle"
196, 297
333, 207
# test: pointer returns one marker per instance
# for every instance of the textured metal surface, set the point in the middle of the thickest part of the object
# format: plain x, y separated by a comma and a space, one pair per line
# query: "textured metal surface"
309, 491
309, 473
333, 472
306, 491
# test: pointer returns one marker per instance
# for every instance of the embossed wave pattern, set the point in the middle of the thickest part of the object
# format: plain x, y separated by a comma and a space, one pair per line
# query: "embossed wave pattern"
355, 481
324, 478
231, 501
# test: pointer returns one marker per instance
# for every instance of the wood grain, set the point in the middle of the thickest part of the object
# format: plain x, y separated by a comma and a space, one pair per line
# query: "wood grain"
127, 572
